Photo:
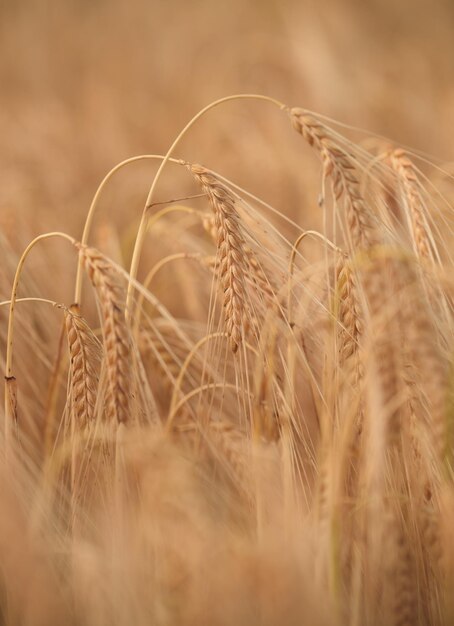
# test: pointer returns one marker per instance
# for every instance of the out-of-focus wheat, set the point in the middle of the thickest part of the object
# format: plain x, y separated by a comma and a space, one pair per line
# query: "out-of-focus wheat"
316, 453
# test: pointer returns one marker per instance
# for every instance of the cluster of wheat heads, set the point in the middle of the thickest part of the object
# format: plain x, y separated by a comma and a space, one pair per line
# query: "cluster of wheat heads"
271, 442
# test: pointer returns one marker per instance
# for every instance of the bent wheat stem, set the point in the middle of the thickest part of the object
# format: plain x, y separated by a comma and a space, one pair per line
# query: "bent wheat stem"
143, 222
94, 205
10, 381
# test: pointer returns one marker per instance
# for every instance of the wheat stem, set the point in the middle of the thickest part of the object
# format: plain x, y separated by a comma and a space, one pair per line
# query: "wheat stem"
143, 222
94, 206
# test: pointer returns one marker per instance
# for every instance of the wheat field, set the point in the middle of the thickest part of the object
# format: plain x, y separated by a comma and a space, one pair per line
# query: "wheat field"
226, 328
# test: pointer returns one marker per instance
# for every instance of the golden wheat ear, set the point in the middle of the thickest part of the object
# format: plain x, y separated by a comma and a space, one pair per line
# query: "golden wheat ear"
339, 166
231, 250
349, 310
117, 338
85, 353
413, 203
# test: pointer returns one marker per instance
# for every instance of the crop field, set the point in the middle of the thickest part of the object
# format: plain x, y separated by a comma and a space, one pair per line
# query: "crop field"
227, 313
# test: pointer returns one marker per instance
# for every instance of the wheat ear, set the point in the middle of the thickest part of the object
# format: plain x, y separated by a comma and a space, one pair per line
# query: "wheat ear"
84, 351
349, 311
339, 166
117, 341
230, 243
413, 203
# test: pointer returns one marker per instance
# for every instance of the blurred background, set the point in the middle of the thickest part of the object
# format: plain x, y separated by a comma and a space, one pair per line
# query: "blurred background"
87, 83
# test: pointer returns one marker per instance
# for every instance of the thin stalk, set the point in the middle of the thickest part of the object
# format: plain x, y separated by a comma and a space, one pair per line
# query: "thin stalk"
9, 344
306, 233
185, 366
45, 300
10, 381
192, 394
149, 278
187, 361
93, 207
143, 222
151, 223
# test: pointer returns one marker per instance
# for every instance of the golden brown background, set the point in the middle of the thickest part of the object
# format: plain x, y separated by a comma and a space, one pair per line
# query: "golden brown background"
85, 84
